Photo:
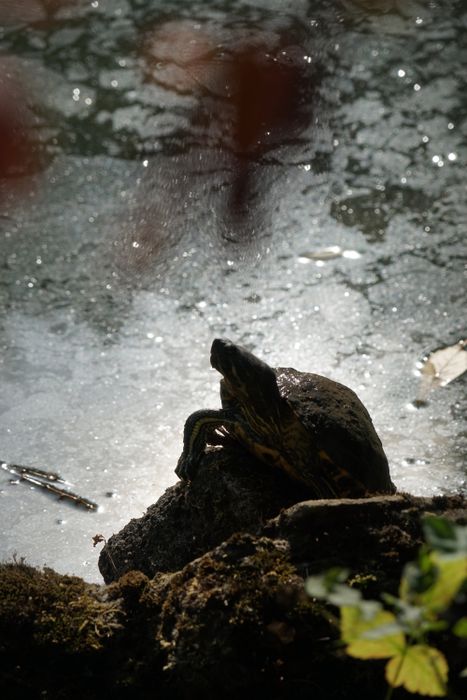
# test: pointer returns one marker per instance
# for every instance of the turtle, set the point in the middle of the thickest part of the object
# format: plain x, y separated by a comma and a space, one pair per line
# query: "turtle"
314, 429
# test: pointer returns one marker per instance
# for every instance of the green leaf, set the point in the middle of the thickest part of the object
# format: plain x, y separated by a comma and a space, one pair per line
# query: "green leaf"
335, 575
344, 595
452, 573
316, 587
420, 669
433, 589
411, 617
460, 628
321, 586
438, 529
433, 626
327, 587
418, 575
374, 637
445, 536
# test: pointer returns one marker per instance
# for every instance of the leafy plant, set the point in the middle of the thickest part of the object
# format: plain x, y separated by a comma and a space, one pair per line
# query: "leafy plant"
399, 629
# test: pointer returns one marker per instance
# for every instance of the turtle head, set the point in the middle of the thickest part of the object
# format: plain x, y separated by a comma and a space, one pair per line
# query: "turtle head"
246, 377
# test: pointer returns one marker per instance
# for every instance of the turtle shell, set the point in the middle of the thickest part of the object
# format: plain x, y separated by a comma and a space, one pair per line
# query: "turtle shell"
338, 425
313, 428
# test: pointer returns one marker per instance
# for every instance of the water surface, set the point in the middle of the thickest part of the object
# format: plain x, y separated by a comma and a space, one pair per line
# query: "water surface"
121, 260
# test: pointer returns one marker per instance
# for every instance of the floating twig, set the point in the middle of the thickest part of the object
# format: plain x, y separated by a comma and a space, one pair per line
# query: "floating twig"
46, 480
35, 471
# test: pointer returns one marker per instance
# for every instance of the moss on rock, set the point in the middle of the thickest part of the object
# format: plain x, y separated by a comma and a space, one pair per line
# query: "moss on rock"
235, 620
55, 609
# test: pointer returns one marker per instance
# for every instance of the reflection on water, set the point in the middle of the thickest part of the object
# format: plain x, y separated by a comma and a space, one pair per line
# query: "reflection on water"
254, 91
164, 214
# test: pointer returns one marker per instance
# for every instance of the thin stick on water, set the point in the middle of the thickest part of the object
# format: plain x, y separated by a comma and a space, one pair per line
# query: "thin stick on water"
35, 471
46, 480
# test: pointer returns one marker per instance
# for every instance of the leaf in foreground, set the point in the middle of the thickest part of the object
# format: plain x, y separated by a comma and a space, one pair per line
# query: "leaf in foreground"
374, 638
451, 573
460, 628
445, 536
329, 586
420, 669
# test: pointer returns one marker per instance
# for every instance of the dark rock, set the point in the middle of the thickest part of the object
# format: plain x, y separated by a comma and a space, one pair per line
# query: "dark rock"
376, 535
232, 492
246, 623
219, 603
236, 620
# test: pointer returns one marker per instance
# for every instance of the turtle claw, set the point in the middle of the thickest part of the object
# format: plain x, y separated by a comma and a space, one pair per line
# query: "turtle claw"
180, 469
200, 426
186, 468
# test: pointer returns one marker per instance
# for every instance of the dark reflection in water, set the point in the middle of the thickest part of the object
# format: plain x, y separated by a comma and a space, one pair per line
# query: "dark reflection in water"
273, 102
20, 153
35, 11
254, 91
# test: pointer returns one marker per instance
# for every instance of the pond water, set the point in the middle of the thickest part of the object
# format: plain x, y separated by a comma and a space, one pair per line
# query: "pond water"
134, 230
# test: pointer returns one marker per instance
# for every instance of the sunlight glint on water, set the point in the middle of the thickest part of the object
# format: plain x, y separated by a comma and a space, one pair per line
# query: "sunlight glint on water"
120, 264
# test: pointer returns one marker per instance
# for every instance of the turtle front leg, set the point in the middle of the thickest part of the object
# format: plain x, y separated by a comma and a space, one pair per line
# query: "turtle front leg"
198, 427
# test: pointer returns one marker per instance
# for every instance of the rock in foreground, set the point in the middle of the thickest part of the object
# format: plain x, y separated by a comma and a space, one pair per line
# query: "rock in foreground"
235, 620
231, 493
206, 595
